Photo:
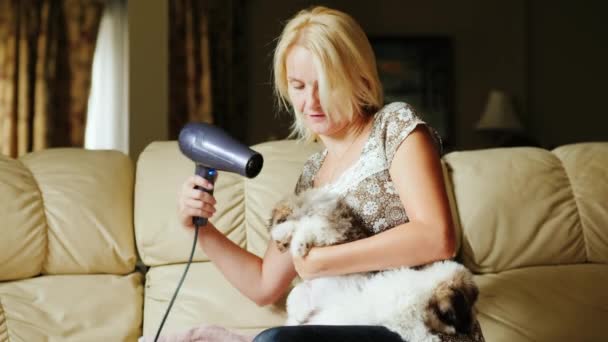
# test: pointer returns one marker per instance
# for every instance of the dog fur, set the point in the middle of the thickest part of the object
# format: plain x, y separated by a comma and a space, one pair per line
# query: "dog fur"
416, 303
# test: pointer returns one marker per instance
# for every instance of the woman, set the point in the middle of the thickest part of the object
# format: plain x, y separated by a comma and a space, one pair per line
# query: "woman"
383, 160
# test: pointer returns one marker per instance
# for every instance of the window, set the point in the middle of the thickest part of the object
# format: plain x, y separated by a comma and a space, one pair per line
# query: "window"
108, 110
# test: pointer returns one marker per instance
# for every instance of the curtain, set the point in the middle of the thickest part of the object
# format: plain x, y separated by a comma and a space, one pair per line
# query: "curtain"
46, 49
189, 69
208, 65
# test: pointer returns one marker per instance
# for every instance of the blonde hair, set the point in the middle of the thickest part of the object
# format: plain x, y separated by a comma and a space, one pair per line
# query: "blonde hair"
348, 79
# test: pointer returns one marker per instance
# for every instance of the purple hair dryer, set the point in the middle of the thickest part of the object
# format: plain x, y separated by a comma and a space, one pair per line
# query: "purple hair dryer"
212, 150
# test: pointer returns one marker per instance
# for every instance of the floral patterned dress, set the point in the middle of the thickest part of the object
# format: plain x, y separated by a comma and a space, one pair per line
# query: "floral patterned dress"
367, 186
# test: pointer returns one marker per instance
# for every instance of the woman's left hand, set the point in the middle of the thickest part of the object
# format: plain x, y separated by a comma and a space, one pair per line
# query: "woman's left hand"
307, 266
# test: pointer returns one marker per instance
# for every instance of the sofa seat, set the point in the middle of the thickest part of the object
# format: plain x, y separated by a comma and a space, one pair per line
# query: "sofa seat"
72, 308
206, 297
545, 303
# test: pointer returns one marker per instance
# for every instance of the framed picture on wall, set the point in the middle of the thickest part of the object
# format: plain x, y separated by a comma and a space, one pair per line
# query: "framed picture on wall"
418, 70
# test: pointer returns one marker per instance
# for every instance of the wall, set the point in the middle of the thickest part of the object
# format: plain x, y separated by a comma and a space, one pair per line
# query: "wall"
551, 55
148, 78
489, 42
568, 71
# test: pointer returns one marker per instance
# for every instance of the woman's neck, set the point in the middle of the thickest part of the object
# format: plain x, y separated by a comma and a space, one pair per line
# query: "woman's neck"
342, 151
340, 142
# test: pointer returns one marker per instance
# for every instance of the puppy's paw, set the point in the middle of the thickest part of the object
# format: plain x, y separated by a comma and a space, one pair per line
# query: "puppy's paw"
451, 307
300, 247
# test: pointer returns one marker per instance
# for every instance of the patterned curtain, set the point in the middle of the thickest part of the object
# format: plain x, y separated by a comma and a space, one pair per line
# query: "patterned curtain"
46, 53
189, 68
208, 65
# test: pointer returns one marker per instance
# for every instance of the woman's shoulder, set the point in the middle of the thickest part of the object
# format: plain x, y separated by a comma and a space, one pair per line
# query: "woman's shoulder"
394, 123
398, 111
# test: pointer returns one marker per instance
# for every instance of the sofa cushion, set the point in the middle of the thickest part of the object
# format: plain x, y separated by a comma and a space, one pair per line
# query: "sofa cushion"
243, 205
586, 166
206, 297
546, 303
517, 208
67, 211
161, 169
72, 308
23, 244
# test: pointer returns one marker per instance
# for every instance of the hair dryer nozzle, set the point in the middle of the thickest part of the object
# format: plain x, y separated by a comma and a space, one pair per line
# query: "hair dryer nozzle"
210, 146
254, 165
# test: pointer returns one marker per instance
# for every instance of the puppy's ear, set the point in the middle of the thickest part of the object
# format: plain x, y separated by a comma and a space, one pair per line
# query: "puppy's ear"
472, 293
467, 286
462, 307
272, 221
280, 213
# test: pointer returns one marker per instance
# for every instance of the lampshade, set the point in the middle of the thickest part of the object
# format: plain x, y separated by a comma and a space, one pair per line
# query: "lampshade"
499, 114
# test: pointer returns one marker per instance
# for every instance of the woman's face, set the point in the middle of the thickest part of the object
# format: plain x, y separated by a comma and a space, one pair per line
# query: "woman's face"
303, 90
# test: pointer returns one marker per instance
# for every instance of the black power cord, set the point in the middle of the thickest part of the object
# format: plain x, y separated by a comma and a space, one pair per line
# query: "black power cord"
179, 285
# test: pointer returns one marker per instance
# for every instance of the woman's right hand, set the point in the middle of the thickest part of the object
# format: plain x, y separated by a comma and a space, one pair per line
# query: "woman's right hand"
194, 202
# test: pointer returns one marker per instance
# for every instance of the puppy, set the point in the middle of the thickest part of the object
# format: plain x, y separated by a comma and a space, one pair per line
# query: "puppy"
326, 218
415, 303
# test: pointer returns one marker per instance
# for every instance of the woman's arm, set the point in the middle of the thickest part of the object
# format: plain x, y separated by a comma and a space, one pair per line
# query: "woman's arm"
262, 280
428, 236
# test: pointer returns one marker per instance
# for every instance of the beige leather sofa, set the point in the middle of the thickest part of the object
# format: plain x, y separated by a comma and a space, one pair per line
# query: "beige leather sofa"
67, 248
533, 226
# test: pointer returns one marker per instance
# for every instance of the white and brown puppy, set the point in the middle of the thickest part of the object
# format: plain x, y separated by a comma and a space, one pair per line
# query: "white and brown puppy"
417, 303
313, 218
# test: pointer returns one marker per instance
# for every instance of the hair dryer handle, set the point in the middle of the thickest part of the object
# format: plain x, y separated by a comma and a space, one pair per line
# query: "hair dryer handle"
209, 174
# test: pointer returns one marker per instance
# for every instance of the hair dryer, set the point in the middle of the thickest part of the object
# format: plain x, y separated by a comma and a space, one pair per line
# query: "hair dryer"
212, 149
